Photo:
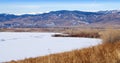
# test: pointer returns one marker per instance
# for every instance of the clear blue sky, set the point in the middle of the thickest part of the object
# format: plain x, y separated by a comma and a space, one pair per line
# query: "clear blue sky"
40, 6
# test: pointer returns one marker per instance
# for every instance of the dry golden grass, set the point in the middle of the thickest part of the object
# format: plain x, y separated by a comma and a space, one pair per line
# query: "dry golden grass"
110, 35
104, 53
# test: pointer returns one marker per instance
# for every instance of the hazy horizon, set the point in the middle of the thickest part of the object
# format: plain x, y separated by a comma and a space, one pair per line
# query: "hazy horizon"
55, 11
19, 7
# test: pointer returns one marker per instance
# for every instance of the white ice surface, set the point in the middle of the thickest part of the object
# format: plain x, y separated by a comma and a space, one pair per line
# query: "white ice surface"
20, 45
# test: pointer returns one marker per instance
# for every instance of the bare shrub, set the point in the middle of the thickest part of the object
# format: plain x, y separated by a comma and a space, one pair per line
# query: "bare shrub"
110, 35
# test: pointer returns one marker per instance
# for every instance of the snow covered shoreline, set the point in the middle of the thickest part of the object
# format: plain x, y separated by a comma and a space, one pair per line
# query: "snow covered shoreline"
20, 45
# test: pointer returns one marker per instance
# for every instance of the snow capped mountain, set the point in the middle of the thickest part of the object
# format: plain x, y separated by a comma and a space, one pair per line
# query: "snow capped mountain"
60, 18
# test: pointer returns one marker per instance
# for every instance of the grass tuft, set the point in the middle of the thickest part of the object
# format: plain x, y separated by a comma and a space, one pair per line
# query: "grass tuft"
110, 35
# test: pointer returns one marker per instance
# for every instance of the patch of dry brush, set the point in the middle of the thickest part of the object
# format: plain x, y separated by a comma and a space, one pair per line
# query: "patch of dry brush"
110, 35
94, 33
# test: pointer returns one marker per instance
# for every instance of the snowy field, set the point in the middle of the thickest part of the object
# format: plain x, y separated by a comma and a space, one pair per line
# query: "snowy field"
20, 45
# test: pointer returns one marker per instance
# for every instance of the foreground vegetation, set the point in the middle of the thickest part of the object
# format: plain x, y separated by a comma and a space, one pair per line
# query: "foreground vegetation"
107, 52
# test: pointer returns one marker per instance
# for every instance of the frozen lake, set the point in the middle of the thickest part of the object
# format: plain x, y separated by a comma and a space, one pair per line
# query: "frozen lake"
20, 45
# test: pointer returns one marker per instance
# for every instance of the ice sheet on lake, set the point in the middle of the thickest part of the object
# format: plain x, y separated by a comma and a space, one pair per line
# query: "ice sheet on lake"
14, 45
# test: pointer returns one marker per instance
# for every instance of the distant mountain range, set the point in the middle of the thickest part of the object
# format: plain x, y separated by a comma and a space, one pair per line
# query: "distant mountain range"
60, 18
